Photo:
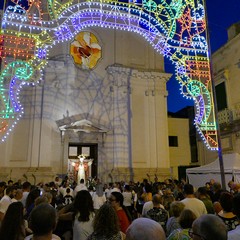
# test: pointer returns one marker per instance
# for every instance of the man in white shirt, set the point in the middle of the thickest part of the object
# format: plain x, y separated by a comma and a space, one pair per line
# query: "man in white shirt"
191, 202
115, 188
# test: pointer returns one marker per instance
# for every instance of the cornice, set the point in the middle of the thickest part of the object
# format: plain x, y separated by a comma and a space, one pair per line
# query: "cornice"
138, 73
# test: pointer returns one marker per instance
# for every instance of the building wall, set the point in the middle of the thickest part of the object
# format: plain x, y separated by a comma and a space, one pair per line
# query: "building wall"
125, 93
226, 68
180, 155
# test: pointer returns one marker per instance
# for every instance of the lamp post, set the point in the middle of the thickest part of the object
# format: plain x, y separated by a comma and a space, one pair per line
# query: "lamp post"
220, 157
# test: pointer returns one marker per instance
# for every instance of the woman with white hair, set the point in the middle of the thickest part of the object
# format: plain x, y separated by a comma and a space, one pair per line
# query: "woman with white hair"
145, 229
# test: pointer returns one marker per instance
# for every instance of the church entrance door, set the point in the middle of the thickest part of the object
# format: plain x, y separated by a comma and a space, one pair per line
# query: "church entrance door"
90, 151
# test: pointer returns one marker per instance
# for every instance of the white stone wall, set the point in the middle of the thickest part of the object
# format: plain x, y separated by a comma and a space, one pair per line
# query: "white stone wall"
126, 93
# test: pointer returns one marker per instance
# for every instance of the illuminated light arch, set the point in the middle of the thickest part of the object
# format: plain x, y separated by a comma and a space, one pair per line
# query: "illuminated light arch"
175, 28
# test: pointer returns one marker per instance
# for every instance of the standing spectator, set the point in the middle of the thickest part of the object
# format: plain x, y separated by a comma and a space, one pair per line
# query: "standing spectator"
106, 225
49, 197
43, 220
205, 198
228, 217
65, 222
6, 201
40, 200
155, 185
235, 234
209, 190
80, 187
13, 225
91, 190
26, 187
231, 186
208, 227
217, 190
168, 198
57, 182
191, 202
115, 188
173, 222
19, 183
217, 207
106, 191
18, 195
128, 198
157, 213
98, 197
186, 219
84, 215
10, 183
63, 189
147, 194
68, 198
139, 202
124, 217
2, 188
34, 193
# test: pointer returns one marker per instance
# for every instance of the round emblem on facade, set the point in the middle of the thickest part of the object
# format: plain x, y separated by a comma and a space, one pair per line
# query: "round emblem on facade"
85, 50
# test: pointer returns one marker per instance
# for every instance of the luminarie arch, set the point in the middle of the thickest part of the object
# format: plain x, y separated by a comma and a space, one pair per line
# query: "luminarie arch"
174, 28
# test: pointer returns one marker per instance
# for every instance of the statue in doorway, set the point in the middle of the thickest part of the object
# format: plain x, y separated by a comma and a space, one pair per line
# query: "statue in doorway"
83, 168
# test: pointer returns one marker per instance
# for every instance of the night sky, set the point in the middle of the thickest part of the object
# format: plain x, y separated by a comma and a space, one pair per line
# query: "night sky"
221, 15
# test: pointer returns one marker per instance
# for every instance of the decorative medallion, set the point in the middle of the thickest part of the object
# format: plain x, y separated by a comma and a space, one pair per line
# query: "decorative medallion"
85, 50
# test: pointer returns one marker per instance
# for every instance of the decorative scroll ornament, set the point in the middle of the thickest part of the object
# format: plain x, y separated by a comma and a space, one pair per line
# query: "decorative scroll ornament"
85, 50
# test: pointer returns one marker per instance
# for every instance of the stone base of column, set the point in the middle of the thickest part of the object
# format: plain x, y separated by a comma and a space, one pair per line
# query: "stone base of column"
33, 175
138, 174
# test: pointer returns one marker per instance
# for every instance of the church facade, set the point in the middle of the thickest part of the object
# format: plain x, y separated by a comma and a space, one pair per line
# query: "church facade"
117, 109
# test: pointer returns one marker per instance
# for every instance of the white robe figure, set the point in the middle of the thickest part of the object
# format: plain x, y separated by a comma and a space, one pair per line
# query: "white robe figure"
81, 172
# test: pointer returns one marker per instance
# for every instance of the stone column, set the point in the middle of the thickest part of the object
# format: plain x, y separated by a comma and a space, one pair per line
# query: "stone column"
149, 123
119, 77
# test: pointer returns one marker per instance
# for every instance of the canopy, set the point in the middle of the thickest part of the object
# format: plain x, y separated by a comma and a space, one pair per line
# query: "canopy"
200, 175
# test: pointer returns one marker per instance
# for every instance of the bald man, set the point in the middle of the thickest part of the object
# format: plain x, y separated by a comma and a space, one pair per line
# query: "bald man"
208, 227
145, 229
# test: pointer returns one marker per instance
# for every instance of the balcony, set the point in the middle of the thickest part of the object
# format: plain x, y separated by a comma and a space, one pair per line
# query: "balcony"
225, 116
229, 120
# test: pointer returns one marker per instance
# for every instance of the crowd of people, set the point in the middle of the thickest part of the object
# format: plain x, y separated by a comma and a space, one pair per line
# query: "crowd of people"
171, 210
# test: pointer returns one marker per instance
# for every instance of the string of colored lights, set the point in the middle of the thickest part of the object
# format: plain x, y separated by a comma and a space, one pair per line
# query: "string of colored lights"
175, 28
